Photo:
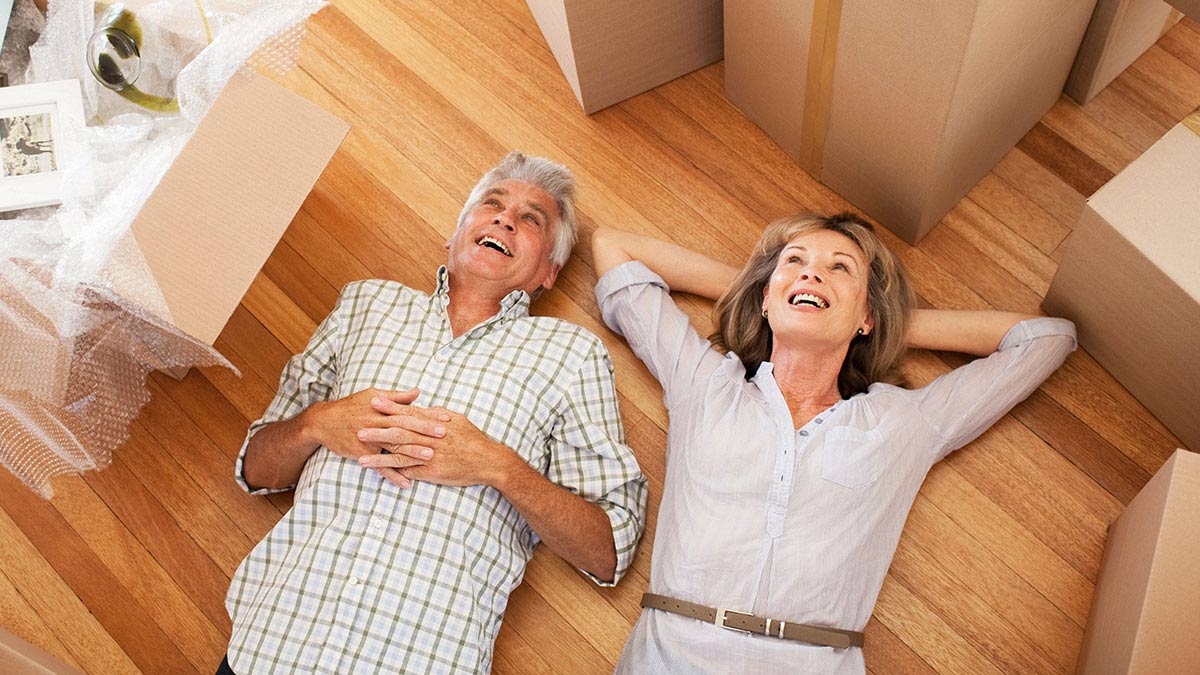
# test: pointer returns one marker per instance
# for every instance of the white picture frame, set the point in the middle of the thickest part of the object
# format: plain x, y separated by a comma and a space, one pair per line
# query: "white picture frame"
34, 120
6, 7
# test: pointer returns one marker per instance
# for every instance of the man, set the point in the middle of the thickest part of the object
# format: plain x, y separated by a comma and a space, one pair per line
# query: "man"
493, 429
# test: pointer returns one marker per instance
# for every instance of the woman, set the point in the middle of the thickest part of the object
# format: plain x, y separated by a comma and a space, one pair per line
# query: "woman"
793, 459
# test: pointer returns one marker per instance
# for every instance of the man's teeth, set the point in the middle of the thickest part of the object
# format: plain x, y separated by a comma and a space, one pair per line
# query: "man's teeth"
494, 243
809, 299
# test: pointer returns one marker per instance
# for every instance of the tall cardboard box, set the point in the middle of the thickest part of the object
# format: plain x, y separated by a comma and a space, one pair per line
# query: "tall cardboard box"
227, 199
1147, 602
901, 107
610, 50
1130, 279
1120, 31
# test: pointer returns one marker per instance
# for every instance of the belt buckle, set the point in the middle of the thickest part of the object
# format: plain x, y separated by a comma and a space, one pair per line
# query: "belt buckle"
722, 613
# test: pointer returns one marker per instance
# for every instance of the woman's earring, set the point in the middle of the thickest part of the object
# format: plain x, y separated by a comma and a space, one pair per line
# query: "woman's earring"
764, 312
860, 332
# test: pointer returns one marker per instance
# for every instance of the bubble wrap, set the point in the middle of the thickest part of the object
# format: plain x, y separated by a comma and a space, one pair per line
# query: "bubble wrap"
82, 322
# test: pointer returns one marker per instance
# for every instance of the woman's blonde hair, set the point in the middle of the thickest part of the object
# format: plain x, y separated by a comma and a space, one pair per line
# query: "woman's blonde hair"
874, 357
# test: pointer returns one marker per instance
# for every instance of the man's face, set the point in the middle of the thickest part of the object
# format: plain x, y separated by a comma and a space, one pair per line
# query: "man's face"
507, 238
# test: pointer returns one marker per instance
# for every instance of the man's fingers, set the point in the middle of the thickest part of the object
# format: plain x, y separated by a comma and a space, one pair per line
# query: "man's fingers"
397, 457
390, 407
401, 428
400, 396
393, 436
395, 477
419, 425
438, 413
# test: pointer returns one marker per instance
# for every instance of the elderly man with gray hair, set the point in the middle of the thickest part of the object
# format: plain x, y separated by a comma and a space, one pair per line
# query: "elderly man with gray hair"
433, 440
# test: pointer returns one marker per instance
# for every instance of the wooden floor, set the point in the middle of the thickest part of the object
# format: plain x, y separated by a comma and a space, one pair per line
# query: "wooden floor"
126, 569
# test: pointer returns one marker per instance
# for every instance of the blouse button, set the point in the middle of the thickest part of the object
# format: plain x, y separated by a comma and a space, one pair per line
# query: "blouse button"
803, 432
818, 420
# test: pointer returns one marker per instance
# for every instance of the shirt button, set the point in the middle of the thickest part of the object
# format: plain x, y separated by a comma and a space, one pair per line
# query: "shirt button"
439, 357
818, 420
353, 581
377, 523
803, 432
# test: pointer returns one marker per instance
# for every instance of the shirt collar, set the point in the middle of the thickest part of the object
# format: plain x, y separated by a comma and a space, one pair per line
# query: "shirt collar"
514, 305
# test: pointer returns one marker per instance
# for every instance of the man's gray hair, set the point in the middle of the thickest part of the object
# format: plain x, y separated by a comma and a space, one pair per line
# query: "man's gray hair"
552, 177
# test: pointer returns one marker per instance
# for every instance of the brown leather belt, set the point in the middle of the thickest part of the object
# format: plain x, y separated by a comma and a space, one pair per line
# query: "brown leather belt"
748, 623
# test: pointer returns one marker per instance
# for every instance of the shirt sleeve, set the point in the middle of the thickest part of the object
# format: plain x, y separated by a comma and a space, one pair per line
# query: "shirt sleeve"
589, 456
636, 303
308, 377
962, 404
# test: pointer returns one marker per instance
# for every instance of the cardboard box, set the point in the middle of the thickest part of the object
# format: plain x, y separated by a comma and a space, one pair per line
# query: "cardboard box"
1130, 281
18, 657
1120, 31
899, 107
227, 199
1147, 602
611, 50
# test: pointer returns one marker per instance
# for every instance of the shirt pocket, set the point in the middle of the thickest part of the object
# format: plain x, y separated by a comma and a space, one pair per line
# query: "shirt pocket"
851, 457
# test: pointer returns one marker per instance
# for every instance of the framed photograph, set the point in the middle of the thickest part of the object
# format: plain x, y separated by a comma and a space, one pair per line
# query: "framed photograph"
34, 118
5, 13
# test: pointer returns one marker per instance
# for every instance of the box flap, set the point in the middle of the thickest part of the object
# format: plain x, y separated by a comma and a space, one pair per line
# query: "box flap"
227, 199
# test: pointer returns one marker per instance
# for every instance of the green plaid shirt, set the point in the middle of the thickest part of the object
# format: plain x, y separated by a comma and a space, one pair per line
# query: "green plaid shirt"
361, 576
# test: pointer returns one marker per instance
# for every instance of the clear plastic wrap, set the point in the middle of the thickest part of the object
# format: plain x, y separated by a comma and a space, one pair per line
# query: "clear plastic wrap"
82, 321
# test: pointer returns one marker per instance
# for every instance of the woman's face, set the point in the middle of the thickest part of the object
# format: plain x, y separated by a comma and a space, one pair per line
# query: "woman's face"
818, 291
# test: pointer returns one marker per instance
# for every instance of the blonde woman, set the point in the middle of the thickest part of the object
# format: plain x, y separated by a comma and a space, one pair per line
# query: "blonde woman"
793, 455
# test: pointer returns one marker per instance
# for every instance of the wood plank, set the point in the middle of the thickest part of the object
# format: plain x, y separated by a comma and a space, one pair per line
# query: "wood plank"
200, 536
1087, 391
210, 469
1132, 85
127, 619
87, 641
1069, 121
296, 278
186, 570
990, 279
926, 633
1007, 539
1170, 83
1181, 43
279, 314
515, 655
1080, 444
886, 653
991, 237
975, 592
1064, 160
558, 642
1019, 213
1125, 118
17, 617
1018, 172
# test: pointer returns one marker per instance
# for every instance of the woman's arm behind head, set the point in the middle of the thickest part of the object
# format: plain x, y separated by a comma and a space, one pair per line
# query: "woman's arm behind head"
977, 333
683, 269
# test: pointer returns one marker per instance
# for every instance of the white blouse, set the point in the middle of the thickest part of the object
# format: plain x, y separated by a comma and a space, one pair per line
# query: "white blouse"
792, 524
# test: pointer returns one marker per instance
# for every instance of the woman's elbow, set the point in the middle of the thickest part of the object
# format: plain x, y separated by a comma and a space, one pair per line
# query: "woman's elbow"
607, 250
